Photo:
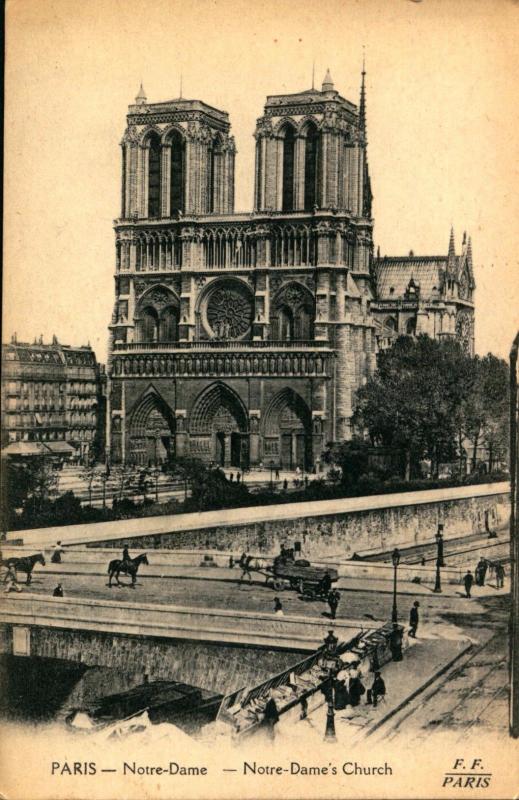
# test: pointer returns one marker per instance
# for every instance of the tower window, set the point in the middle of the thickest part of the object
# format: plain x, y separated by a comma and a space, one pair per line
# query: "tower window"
311, 154
288, 169
177, 173
154, 176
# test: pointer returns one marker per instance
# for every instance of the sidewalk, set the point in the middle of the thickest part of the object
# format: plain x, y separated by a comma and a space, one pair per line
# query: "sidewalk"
423, 662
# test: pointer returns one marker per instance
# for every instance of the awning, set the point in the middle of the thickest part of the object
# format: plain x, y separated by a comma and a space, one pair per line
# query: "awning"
60, 447
25, 449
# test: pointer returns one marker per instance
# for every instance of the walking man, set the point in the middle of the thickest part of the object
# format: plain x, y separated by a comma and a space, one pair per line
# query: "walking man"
468, 580
333, 601
480, 572
278, 607
11, 581
377, 690
414, 619
500, 576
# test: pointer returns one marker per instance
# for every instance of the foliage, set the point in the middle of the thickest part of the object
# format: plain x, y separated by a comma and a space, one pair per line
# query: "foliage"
428, 396
351, 457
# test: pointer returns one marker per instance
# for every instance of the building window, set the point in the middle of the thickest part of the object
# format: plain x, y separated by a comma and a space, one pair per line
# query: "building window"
288, 169
410, 326
148, 325
154, 176
311, 172
177, 173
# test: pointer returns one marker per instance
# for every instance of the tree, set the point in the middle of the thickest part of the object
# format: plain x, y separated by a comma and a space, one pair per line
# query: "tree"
351, 457
486, 411
412, 402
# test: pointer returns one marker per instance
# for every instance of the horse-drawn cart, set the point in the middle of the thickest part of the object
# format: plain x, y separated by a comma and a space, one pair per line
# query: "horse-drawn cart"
312, 582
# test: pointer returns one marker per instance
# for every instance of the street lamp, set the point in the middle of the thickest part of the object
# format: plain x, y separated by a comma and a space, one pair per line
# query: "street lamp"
329, 734
271, 470
439, 560
331, 661
395, 558
439, 541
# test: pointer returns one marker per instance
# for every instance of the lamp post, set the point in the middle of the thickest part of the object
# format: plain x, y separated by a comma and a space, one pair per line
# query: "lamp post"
271, 470
395, 558
331, 661
329, 734
439, 560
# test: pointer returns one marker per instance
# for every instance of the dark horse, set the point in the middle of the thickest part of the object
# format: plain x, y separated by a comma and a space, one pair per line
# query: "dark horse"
117, 566
25, 564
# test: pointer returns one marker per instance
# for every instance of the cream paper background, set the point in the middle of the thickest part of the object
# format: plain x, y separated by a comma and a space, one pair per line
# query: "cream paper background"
443, 128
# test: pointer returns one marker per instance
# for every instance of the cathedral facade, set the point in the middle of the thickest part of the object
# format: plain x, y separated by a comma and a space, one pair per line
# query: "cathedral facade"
241, 338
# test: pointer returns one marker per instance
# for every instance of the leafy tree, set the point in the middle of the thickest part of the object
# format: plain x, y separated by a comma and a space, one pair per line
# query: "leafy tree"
412, 402
486, 411
351, 457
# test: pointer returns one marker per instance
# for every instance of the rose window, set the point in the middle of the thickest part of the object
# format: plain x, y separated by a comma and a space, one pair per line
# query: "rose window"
229, 312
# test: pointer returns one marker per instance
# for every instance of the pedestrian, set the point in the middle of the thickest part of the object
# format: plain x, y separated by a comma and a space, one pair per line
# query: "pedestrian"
377, 690
395, 642
277, 473
500, 576
231, 562
285, 485
355, 686
326, 584
278, 607
341, 695
58, 591
333, 601
304, 707
231, 477
11, 581
468, 580
56, 553
414, 619
480, 572
270, 718
238, 477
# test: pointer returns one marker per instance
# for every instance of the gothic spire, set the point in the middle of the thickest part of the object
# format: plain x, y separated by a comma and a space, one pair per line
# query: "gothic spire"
141, 97
451, 256
362, 103
328, 82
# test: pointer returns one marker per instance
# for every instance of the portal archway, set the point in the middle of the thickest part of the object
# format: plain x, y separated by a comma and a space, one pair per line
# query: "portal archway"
151, 432
218, 428
287, 432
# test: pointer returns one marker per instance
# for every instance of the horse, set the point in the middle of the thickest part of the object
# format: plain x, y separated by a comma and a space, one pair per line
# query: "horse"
25, 564
117, 566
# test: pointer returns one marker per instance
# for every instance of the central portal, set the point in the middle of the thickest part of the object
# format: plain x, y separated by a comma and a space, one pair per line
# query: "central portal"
218, 430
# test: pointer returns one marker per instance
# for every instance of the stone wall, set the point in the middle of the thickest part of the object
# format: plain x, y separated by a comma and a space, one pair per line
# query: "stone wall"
342, 534
214, 667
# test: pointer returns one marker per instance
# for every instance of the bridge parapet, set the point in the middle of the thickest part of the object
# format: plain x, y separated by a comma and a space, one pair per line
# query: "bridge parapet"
173, 622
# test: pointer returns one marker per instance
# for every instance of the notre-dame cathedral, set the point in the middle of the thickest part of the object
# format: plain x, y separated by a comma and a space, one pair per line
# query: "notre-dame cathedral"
241, 338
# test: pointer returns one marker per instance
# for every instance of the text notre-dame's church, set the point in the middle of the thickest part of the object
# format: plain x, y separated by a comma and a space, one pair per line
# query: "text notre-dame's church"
241, 338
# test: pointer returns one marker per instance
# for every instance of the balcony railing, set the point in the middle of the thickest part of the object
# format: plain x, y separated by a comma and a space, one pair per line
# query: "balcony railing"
124, 347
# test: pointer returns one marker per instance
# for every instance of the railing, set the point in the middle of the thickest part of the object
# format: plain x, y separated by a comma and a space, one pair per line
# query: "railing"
216, 345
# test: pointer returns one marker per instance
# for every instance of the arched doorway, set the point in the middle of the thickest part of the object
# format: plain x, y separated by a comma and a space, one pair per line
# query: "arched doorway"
151, 432
288, 432
218, 430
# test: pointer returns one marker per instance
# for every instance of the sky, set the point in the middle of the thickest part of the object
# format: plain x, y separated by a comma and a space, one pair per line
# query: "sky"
443, 129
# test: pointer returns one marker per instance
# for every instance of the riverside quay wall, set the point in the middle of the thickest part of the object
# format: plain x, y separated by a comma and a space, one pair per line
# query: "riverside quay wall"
325, 528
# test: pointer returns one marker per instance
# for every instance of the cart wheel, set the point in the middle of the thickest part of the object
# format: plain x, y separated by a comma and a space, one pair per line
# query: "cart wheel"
279, 585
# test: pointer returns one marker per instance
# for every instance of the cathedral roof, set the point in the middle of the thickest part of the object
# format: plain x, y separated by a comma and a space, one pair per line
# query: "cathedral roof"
394, 274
